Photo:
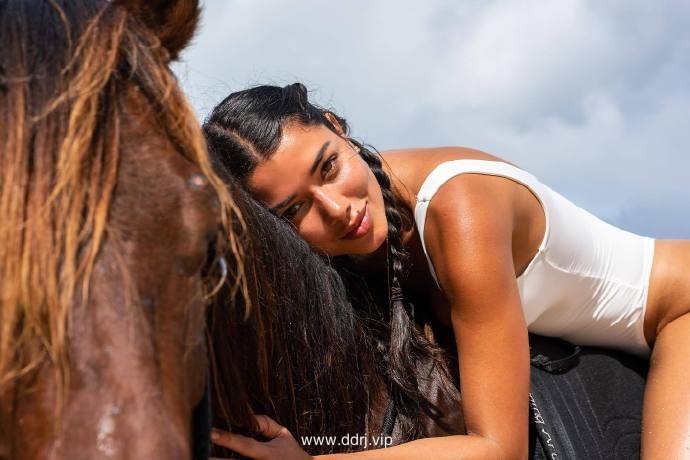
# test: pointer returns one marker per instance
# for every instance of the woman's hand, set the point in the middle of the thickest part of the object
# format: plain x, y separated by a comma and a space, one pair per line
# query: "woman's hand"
282, 444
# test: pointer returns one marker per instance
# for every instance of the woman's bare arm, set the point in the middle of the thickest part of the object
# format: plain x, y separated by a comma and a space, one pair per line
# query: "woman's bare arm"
469, 238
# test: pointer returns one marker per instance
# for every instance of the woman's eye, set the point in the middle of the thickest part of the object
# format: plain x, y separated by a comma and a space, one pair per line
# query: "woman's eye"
329, 166
290, 212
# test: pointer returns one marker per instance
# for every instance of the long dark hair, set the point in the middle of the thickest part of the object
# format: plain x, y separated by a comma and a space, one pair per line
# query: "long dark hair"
244, 130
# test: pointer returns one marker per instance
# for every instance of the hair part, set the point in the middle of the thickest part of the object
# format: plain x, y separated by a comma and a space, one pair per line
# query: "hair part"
246, 128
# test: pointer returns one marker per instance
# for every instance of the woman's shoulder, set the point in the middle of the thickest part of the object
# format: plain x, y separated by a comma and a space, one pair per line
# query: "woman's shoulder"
409, 168
435, 155
448, 196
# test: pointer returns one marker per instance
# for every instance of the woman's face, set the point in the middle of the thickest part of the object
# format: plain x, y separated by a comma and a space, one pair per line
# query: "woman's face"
317, 181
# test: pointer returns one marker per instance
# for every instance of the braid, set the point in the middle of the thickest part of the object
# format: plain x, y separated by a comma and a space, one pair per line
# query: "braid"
407, 347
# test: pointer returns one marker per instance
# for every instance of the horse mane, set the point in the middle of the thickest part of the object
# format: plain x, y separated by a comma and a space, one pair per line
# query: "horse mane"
63, 69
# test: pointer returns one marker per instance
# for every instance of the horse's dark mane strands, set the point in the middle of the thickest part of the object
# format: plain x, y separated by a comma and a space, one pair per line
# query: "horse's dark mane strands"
55, 202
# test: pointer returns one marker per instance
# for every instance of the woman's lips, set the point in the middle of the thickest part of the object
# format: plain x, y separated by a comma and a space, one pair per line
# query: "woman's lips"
361, 228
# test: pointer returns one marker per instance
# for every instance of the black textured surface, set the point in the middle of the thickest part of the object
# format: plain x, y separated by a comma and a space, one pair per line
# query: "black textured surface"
591, 411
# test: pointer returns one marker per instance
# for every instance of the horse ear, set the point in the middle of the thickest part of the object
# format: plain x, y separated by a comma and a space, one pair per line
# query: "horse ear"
173, 21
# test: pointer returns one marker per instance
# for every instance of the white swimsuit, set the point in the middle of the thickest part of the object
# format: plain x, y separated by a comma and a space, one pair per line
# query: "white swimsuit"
589, 280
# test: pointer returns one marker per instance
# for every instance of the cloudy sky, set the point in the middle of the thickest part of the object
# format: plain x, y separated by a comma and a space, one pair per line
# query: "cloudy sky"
591, 96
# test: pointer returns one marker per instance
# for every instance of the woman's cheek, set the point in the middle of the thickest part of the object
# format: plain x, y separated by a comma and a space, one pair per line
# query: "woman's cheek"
354, 178
314, 233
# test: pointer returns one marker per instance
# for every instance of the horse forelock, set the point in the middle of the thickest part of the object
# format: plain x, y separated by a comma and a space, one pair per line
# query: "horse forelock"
60, 150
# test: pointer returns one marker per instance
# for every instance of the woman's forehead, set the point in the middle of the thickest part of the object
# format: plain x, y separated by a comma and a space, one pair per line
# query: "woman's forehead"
293, 163
300, 139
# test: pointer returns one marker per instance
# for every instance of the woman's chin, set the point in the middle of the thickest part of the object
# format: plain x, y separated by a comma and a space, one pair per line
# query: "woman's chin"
374, 244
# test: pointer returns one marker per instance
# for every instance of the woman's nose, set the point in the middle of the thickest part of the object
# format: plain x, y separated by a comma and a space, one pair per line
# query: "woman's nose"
331, 204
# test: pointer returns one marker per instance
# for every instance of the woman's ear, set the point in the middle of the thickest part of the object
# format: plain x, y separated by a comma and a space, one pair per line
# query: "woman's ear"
173, 21
333, 119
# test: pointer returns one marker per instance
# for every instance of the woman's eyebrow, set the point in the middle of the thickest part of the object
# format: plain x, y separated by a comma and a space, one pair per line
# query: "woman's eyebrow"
282, 204
319, 157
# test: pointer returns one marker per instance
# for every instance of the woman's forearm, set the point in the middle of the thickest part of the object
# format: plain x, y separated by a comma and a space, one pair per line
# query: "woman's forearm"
457, 447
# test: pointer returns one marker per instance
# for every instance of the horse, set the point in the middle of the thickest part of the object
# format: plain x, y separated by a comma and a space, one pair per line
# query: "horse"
312, 355
110, 214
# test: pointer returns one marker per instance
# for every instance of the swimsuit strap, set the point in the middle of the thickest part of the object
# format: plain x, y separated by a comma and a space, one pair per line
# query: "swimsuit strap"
443, 172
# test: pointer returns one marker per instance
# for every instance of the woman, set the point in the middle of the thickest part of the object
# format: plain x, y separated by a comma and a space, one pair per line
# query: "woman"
496, 252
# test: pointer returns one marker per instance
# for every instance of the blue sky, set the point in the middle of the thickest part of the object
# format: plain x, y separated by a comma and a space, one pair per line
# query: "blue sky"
591, 96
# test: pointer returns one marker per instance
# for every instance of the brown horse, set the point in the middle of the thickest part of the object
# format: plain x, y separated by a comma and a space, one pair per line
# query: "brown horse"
108, 206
